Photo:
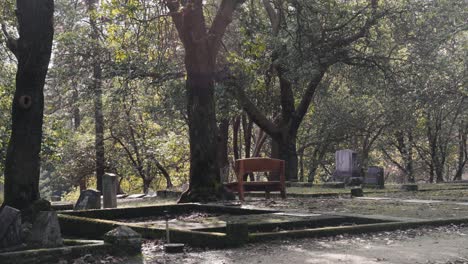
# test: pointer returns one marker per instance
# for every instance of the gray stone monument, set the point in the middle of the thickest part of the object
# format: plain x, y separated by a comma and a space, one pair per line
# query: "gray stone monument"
45, 231
375, 177
89, 199
347, 167
10, 227
124, 239
109, 189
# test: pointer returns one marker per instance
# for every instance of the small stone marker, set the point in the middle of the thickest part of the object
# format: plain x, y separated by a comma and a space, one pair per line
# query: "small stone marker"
46, 231
89, 199
357, 192
125, 239
410, 187
109, 189
375, 177
10, 227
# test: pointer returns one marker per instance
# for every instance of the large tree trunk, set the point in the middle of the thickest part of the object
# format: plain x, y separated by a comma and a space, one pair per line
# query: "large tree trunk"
288, 153
96, 86
33, 50
204, 168
201, 44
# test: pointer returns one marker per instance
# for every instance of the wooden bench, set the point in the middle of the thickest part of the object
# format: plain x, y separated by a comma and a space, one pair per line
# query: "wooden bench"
250, 165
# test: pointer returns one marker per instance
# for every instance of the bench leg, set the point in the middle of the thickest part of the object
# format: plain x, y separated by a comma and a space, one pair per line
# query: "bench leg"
267, 194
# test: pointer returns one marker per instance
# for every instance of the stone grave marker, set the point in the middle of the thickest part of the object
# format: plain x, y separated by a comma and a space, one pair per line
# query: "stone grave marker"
10, 227
375, 177
89, 199
46, 231
124, 239
109, 189
347, 167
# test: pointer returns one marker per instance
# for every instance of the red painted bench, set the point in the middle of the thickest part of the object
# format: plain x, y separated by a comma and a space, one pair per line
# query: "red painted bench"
244, 166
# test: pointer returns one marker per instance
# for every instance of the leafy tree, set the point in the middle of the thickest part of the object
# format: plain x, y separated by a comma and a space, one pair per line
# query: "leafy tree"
32, 51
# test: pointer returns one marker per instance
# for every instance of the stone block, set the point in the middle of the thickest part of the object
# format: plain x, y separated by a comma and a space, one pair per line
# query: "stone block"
124, 239
237, 233
375, 177
109, 189
410, 187
10, 227
357, 192
45, 231
89, 199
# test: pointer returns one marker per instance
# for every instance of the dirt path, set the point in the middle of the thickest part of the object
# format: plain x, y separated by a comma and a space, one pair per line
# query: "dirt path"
445, 245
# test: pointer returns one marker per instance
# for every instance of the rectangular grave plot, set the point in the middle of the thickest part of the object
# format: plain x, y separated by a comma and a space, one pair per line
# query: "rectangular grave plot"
283, 221
160, 211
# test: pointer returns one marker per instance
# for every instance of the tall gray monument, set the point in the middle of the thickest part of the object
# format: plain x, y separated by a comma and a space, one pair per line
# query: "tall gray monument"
109, 190
347, 167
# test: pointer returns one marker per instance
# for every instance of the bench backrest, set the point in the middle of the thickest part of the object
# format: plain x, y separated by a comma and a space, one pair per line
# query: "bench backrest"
259, 165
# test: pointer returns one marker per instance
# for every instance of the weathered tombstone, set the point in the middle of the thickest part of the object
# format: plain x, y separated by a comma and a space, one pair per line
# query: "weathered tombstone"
375, 177
124, 239
109, 189
410, 187
45, 230
357, 192
10, 227
347, 167
151, 193
89, 199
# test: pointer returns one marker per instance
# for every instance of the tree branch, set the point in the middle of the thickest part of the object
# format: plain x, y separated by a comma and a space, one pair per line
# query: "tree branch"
274, 17
303, 106
222, 19
255, 114
11, 42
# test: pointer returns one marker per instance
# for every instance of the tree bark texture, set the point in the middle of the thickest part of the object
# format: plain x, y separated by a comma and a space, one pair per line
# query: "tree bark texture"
201, 44
33, 51
96, 87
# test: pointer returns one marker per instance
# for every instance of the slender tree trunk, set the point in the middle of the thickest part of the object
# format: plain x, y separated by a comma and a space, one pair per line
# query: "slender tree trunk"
223, 160
33, 51
97, 88
247, 126
76, 110
462, 151
409, 159
301, 167
235, 138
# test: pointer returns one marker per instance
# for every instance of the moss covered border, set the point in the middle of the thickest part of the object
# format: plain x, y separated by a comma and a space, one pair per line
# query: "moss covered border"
73, 249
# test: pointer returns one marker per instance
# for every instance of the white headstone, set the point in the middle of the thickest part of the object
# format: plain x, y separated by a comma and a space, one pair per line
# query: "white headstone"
109, 190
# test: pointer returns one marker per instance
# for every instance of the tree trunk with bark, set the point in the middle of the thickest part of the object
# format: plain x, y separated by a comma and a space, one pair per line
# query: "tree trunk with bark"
96, 87
201, 46
33, 51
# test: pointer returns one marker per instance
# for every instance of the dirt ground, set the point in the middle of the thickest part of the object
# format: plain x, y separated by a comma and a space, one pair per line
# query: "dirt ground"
443, 245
